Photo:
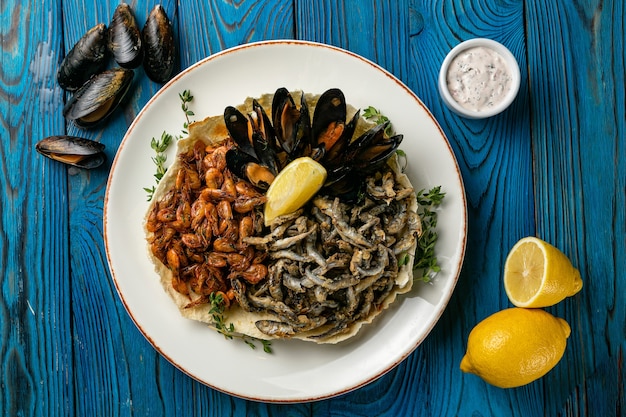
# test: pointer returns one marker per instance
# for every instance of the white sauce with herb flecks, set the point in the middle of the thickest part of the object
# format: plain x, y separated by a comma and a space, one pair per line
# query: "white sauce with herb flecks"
479, 78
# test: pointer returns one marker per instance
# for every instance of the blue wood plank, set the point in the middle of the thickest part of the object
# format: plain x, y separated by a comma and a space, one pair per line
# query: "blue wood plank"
35, 327
377, 30
579, 144
227, 24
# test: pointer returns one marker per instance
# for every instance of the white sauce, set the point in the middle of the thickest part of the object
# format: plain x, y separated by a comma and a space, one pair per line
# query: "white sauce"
478, 78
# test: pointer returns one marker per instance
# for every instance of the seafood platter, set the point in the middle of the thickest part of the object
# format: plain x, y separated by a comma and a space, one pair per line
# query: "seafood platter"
326, 295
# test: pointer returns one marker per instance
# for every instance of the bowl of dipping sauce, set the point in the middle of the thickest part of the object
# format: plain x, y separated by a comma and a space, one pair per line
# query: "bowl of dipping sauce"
479, 78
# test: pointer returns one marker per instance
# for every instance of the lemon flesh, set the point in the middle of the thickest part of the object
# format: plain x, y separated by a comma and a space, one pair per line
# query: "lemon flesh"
516, 346
300, 180
537, 274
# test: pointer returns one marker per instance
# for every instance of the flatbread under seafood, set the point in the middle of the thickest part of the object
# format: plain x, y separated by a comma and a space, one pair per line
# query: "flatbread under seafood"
213, 130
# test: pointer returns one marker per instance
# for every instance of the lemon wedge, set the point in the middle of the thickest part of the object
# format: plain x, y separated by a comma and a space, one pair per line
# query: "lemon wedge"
300, 180
516, 346
536, 274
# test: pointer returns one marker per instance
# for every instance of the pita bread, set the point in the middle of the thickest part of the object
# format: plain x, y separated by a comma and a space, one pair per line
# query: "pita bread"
213, 130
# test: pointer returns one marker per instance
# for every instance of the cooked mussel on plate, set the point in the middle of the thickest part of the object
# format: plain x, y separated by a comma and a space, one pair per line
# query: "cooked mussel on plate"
328, 137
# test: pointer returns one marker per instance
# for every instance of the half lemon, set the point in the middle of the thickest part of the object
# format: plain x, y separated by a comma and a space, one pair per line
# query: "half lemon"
537, 274
300, 180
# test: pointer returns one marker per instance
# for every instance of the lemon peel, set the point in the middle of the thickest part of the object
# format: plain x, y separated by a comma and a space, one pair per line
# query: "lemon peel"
515, 346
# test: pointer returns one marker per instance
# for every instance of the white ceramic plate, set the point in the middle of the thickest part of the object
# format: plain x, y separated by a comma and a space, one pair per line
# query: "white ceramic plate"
296, 371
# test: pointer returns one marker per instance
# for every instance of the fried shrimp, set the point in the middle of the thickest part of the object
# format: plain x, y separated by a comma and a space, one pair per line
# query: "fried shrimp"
198, 233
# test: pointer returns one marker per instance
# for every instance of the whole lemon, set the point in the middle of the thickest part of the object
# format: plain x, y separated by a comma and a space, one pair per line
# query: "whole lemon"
516, 346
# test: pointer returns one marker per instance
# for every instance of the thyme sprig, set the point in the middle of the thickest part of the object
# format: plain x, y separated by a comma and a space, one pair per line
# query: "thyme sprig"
186, 98
426, 265
228, 329
160, 146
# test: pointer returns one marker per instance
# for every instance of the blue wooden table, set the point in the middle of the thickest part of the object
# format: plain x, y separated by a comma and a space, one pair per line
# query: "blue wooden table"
552, 165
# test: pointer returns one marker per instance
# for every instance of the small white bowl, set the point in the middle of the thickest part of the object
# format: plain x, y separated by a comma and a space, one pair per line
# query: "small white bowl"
505, 100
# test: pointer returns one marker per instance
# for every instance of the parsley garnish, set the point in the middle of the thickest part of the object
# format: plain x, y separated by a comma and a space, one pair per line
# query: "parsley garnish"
425, 258
228, 330
371, 113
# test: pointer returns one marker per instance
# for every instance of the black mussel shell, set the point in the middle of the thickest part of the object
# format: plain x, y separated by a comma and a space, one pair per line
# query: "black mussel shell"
263, 138
87, 57
254, 157
98, 97
245, 166
285, 116
124, 40
237, 124
334, 155
236, 161
72, 150
329, 118
346, 184
371, 150
291, 125
159, 49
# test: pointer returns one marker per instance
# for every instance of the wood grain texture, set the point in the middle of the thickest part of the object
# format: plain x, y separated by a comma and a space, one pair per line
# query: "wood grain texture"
579, 147
552, 165
102, 335
358, 26
228, 24
36, 350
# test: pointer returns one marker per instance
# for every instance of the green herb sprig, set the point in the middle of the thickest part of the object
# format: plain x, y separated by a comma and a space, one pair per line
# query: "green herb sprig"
228, 329
186, 98
426, 265
160, 147
373, 114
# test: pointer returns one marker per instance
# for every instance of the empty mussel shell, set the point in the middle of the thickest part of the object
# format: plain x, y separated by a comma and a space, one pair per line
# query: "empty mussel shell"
98, 97
159, 48
72, 150
124, 39
87, 57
